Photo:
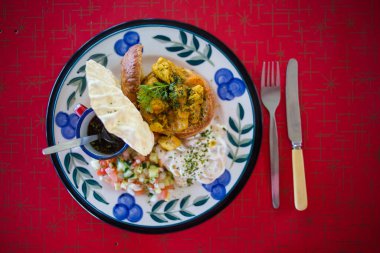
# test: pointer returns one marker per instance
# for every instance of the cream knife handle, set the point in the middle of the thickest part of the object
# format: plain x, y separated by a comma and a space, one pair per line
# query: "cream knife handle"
299, 182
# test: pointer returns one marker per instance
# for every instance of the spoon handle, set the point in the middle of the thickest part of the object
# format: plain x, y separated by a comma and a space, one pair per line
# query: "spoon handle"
70, 144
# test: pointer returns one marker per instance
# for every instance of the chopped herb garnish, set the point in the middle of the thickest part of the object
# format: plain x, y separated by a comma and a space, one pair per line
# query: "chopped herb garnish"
157, 90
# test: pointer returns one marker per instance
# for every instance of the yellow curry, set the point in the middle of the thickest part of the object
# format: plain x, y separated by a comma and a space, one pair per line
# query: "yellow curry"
171, 98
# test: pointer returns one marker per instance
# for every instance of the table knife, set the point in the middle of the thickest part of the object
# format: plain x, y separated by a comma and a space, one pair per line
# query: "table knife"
295, 134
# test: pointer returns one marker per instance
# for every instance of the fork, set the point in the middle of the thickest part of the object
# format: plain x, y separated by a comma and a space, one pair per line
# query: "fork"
270, 96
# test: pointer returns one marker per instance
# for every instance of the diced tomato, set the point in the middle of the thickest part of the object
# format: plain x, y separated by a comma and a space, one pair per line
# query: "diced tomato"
103, 163
141, 192
136, 163
112, 174
141, 158
101, 172
169, 187
106, 163
164, 194
112, 160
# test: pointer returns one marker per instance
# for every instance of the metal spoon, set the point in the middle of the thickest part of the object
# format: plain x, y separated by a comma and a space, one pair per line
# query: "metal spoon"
78, 142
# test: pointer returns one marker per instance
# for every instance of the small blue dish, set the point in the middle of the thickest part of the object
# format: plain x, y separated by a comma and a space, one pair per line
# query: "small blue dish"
81, 131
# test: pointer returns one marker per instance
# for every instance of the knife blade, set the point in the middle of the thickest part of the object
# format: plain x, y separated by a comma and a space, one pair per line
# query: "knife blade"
295, 134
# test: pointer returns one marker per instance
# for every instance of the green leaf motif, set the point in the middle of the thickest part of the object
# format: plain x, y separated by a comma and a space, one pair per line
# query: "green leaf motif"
76, 177
99, 197
76, 81
99, 58
238, 141
81, 69
85, 189
162, 38
186, 213
207, 51
230, 155
183, 37
66, 162
245, 142
93, 183
208, 54
70, 100
157, 205
174, 48
183, 50
79, 157
83, 87
242, 158
171, 216
185, 53
158, 218
171, 213
201, 200
247, 128
169, 206
233, 125
240, 111
84, 171
184, 202
195, 42
195, 62
232, 139
79, 173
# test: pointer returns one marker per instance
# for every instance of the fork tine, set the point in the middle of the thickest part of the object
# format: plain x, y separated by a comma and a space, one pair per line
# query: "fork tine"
268, 75
278, 74
272, 75
263, 75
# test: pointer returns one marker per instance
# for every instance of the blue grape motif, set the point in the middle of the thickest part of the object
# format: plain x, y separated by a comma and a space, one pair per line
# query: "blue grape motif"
129, 39
218, 187
120, 211
67, 123
135, 213
126, 199
229, 86
126, 208
218, 192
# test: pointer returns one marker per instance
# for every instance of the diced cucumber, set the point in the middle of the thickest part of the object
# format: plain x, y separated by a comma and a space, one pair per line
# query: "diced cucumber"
124, 185
153, 157
138, 170
128, 174
117, 186
121, 165
132, 177
153, 171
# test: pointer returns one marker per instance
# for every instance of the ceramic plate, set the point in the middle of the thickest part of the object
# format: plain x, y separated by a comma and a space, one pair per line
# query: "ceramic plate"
191, 48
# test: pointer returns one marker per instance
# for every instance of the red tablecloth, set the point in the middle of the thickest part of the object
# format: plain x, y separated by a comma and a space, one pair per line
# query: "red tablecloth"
337, 47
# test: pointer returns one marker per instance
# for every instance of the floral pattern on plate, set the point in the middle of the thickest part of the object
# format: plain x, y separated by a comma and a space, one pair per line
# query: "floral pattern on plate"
239, 112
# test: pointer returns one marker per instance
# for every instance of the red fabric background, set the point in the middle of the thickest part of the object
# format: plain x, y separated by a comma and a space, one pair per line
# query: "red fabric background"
337, 47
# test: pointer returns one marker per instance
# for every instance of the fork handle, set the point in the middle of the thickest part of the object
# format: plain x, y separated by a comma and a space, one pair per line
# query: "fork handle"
274, 162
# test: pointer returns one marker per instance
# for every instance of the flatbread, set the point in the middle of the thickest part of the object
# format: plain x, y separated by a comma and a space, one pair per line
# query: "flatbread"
118, 114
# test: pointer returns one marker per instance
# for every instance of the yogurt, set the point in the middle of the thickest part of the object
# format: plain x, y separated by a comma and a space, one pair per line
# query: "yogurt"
201, 158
